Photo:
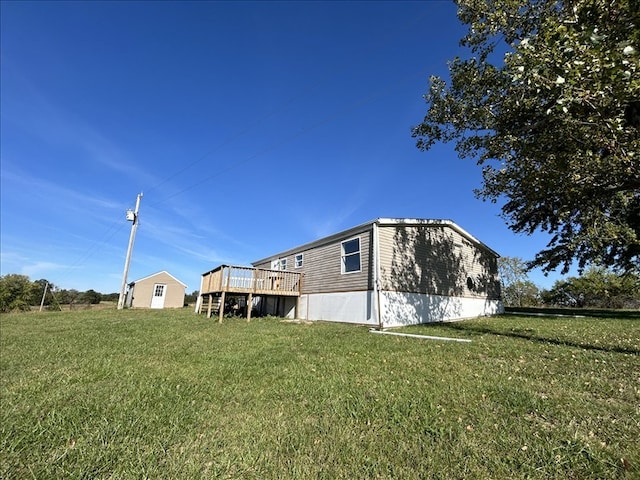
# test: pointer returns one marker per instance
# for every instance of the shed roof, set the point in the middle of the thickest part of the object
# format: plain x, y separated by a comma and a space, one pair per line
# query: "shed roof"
155, 274
381, 221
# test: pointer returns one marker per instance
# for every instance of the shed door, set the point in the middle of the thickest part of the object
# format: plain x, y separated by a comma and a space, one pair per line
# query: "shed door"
159, 294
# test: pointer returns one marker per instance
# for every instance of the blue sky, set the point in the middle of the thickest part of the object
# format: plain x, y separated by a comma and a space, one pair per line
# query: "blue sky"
250, 128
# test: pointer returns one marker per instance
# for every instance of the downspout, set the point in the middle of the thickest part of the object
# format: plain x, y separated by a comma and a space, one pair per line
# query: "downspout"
376, 273
199, 299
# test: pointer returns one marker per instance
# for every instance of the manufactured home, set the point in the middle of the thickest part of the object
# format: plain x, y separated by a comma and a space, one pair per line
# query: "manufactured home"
384, 273
160, 290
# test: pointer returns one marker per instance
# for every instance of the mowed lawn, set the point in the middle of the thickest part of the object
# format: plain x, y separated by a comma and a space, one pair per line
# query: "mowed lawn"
169, 394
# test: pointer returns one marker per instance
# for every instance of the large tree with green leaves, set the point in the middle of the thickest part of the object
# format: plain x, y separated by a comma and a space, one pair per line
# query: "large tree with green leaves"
548, 102
16, 292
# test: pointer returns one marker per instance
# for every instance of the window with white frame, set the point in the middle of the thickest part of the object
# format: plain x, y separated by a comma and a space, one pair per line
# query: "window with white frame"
299, 260
279, 264
351, 255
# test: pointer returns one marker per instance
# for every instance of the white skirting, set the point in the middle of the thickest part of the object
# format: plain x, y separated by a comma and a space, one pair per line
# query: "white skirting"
350, 307
397, 308
413, 308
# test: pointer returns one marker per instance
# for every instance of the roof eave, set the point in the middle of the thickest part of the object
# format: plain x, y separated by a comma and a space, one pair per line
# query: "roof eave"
379, 221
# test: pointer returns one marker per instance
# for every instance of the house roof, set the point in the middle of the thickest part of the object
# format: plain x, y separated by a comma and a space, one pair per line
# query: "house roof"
381, 221
155, 274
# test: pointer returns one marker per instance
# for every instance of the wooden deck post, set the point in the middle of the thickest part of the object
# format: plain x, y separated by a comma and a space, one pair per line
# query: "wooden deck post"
249, 302
209, 306
296, 312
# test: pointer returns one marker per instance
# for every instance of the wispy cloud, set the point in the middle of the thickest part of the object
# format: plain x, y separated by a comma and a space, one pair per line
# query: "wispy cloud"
185, 241
11, 259
20, 261
42, 269
34, 186
190, 230
56, 126
332, 220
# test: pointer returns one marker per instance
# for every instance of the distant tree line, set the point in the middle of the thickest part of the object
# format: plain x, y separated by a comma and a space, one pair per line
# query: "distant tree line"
191, 297
597, 287
18, 292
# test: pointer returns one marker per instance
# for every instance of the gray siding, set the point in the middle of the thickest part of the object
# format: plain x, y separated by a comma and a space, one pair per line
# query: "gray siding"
435, 260
322, 266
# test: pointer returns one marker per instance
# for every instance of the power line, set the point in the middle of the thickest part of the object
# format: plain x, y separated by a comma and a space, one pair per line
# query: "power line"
373, 46
353, 106
381, 39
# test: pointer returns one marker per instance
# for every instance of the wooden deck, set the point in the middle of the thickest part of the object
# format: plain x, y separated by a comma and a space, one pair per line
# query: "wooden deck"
246, 281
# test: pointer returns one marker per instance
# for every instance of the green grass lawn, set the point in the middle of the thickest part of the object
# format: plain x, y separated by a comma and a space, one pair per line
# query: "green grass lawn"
162, 394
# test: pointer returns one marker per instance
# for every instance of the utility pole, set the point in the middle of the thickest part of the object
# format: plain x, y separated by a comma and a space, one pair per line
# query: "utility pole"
44, 294
132, 216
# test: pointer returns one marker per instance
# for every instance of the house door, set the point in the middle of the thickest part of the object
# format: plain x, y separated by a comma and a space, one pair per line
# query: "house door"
159, 294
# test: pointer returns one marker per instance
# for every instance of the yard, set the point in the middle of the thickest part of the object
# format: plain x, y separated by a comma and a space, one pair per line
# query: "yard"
168, 394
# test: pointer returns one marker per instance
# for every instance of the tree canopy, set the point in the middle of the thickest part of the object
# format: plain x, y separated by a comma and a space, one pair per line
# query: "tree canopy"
597, 287
517, 289
18, 292
548, 103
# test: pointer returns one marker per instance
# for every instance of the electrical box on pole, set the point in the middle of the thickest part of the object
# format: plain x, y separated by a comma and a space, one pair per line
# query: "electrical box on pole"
132, 216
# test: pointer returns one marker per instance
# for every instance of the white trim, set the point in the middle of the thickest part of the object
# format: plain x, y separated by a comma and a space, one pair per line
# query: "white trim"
158, 273
376, 272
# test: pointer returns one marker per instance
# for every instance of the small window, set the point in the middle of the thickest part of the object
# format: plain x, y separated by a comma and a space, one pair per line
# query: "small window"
283, 264
298, 260
351, 256
159, 291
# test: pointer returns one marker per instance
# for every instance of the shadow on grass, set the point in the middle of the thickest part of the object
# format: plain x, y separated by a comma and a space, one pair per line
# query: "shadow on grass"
525, 334
578, 312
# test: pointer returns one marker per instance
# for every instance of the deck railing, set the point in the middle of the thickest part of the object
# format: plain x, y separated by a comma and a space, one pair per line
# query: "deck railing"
227, 278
